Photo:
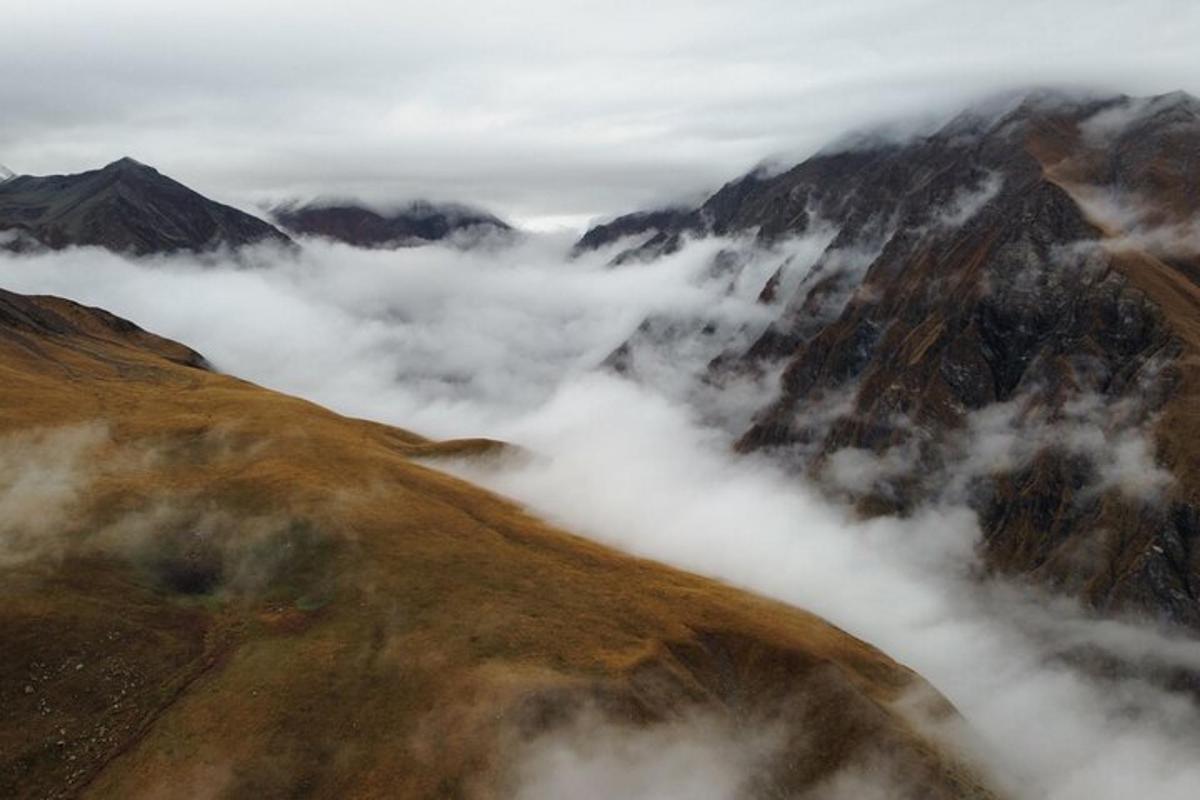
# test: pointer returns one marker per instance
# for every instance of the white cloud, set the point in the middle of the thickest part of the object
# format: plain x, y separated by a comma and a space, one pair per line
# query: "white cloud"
672, 492
696, 758
44, 473
533, 108
968, 202
1131, 223
1005, 437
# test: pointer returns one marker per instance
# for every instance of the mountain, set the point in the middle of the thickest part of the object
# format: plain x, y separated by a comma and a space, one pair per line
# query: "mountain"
658, 231
125, 207
6, 174
407, 225
214, 589
1005, 317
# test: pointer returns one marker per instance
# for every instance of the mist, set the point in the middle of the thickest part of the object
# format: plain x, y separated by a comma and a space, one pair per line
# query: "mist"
43, 474
506, 342
694, 758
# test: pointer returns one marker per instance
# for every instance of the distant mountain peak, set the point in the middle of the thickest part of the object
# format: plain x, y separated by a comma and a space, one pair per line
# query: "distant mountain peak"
125, 206
132, 167
126, 161
1178, 105
363, 224
1178, 98
6, 174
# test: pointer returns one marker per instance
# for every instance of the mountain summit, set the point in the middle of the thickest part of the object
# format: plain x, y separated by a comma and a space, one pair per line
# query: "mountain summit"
125, 206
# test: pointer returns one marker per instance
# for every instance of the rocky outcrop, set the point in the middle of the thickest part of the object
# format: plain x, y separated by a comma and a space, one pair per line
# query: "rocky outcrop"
656, 233
1004, 318
412, 224
126, 207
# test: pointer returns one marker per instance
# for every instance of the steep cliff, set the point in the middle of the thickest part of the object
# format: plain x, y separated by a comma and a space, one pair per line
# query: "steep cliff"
1005, 317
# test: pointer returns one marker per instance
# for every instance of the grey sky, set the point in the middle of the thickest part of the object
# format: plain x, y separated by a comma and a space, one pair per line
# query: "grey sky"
542, 110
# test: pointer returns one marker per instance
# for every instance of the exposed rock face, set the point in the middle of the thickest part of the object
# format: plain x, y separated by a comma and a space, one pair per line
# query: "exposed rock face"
313, 611
1021, 280
659, 233
126, 207
414, 224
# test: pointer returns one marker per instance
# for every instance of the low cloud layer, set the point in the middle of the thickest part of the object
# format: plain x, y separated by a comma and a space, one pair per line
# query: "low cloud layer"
671, 492
444, 341
504, 343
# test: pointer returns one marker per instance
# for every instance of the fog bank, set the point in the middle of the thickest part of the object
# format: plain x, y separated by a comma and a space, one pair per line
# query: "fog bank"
506, 342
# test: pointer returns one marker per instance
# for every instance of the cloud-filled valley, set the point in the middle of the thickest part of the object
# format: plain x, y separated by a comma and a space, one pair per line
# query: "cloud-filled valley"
852, 452
507, 342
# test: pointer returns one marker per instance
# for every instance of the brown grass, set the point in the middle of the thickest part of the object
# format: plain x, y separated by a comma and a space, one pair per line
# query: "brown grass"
267, 599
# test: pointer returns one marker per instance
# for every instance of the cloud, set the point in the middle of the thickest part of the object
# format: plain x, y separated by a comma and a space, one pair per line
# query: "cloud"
1132, 223
674, 348
44, 474
504, 343
672, 492
861, 472
1005, 437
183, 542
1112, 440
446, 341
1103, 126
966, 203
538, 109
698, 757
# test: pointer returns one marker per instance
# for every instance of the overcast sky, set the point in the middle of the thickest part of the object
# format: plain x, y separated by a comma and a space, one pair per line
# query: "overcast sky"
543, 110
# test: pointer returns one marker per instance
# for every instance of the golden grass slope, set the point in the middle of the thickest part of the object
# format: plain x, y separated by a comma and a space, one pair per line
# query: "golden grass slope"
214, 590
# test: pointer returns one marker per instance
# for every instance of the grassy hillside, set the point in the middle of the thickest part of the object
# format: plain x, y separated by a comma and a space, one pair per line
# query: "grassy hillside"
214, 590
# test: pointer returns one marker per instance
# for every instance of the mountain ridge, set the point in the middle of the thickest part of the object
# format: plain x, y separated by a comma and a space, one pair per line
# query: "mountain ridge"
992, 273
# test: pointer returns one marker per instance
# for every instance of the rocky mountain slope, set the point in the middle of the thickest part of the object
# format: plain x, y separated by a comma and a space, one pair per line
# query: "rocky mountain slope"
126, 207
1005, 316
658, 231
412, 224
210, 589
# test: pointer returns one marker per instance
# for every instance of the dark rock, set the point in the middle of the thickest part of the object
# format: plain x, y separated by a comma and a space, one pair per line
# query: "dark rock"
360, 226
966, 271
660, 231
126, 207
